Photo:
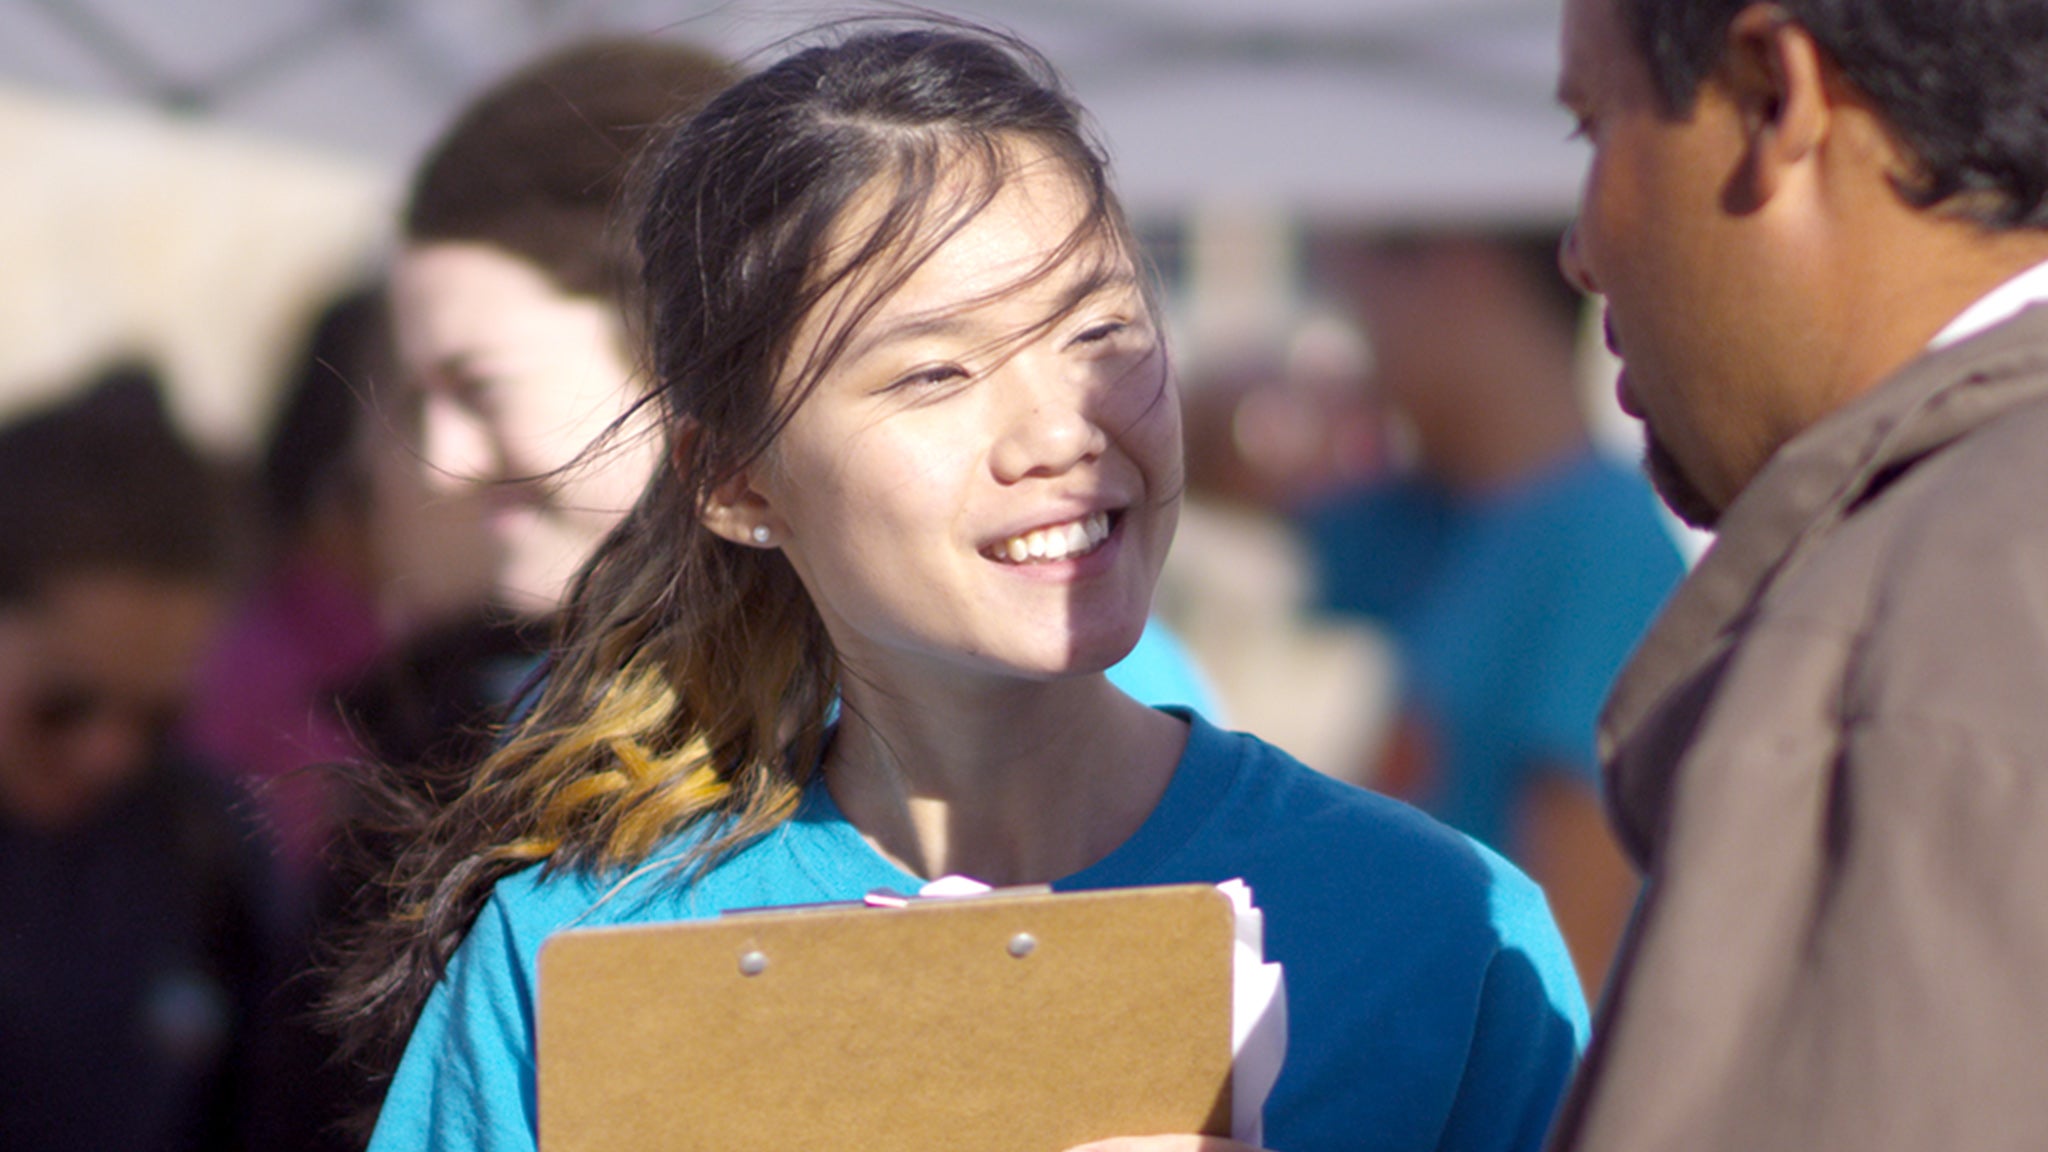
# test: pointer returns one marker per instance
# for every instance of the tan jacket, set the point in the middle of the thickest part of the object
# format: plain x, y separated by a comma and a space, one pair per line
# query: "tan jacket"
1830, 756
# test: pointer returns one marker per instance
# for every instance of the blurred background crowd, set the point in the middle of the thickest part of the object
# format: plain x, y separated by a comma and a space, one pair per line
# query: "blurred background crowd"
314, 318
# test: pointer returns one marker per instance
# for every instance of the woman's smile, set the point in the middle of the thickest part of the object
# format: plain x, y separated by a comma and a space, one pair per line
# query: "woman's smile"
1048, 448
1068, 540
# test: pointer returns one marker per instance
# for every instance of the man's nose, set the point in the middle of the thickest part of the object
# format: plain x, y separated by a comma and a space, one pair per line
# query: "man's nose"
1572, 264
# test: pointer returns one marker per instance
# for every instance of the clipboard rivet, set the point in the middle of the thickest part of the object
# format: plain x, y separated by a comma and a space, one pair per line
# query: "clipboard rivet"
1023, 944
753, 963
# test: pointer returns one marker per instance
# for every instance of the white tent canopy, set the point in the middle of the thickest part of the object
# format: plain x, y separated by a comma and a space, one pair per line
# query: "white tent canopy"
202, 250
187, 179
1352, 109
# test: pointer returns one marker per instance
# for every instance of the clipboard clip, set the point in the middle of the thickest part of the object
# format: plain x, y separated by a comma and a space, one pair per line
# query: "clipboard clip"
944, 888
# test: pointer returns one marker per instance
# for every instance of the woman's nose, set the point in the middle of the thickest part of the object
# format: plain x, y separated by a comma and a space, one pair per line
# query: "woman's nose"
1048, 422
457, 446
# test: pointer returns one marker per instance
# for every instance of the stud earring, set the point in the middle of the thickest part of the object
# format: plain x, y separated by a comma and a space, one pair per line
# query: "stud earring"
761, 534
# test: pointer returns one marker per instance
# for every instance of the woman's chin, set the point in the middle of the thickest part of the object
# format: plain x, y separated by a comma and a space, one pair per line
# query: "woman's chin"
534, 586
541, 557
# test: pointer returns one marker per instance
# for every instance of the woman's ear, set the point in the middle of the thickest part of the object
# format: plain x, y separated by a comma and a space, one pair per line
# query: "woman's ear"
739, 511
735, 509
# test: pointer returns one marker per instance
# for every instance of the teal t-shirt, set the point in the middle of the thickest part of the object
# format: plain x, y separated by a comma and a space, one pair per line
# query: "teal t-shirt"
1512, 610
1431, 1003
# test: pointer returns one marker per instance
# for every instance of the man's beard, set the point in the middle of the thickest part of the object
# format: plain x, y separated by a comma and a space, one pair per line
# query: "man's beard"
1683, 497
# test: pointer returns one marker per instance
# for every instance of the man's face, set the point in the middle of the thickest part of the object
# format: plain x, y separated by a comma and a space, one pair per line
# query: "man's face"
1658, 236
93, 672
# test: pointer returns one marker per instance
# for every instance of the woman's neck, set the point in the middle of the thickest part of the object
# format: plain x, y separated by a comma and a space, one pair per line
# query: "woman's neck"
1015, 783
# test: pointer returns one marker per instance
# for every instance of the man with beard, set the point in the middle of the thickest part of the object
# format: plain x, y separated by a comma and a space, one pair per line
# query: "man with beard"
1821, 227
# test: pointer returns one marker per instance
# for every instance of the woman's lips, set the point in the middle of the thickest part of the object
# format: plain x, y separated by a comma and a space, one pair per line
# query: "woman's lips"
1051, 543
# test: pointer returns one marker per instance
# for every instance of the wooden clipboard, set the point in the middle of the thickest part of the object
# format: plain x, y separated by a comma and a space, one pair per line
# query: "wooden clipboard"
993, 1023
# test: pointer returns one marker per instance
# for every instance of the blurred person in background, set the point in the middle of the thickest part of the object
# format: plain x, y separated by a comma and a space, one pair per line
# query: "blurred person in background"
266, 712
135, 947
510, 296
1265, 432
310, 624
509, 299
1514, 565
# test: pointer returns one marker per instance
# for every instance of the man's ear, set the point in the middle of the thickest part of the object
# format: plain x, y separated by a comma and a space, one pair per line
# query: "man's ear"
738, 510
1776, 77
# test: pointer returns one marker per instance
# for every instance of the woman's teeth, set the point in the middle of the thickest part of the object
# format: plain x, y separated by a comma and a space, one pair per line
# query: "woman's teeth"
1056, 542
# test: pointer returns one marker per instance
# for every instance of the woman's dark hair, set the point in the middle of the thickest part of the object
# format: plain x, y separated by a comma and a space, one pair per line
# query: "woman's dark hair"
537, 163
692, 679
309, 459
1964, 84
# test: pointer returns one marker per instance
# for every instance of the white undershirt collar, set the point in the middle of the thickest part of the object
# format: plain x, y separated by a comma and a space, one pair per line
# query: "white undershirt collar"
1997, 306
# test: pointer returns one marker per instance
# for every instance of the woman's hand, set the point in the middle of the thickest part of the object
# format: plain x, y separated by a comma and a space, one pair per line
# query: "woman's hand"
1166, 1144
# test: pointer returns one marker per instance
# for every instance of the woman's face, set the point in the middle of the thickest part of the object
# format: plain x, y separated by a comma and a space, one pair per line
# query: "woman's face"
988, 478
516, 378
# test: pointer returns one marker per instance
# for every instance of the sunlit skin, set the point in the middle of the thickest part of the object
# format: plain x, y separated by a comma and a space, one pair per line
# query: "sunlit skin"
1676, 270
1760, 265
980, 736
517, 378
93, 672
990, 397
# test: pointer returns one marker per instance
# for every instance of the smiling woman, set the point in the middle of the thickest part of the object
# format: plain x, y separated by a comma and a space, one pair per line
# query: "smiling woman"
922, 467
1011, 391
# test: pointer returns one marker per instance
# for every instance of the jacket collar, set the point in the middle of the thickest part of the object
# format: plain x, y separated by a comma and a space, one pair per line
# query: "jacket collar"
1805, 489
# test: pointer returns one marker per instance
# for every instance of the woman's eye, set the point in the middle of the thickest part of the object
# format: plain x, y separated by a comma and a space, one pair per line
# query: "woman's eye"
1096, 333
469, 389
930, 376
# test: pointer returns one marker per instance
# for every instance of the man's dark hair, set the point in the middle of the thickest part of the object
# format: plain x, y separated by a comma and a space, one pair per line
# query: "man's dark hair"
104, 483
1963, 83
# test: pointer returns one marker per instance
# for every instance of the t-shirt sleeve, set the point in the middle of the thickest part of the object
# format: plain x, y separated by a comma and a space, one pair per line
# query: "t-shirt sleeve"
465, 1083
1530, 1027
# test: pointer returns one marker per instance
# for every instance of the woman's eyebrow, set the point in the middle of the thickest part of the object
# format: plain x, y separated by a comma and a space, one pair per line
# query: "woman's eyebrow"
953, 322
962, 322
1085, 288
